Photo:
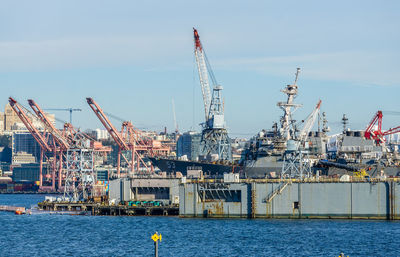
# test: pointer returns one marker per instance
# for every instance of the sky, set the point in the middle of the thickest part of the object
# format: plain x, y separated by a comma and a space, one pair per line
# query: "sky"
134, 57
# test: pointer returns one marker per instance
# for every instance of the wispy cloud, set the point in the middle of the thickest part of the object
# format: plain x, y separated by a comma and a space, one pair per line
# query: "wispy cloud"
368, 68
155, 52
87, 52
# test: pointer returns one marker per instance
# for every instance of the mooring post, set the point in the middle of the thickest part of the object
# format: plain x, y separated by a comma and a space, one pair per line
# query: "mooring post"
156, 248
155, 238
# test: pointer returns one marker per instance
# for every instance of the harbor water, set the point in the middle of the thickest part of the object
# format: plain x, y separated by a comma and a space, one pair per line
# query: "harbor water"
66, 235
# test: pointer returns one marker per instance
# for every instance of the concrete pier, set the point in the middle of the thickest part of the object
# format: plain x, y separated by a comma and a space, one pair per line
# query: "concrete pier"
110, 210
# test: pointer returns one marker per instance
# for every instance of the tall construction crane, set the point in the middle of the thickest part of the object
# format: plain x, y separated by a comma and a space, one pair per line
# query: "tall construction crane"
214, 139
70, 110
378, 135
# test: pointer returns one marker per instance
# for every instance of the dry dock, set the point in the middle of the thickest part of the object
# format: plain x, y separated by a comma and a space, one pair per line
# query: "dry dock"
293, 199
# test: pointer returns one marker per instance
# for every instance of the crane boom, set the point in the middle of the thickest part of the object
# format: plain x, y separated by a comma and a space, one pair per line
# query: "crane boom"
29, 125
309, 123
173, 112
203, 73
378, 135
368, 131
391, 131
107, 124
55, 132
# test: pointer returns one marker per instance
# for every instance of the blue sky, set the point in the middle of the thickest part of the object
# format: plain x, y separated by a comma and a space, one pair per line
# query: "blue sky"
133, 57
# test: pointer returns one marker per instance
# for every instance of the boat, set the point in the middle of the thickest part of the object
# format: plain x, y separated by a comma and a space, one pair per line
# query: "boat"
173, 165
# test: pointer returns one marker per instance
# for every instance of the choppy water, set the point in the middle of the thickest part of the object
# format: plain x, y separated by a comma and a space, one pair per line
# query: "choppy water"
63, 235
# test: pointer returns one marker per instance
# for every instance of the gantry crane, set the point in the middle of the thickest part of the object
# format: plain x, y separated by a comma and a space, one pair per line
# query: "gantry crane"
214, 139
47, 146
129, 139
68, 149
74, 154
378, 135
62, 143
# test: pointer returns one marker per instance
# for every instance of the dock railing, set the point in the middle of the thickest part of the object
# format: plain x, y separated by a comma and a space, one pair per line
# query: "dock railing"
294, 180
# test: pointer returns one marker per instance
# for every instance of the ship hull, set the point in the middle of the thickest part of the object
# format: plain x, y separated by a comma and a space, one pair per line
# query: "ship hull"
211, 169
253, 169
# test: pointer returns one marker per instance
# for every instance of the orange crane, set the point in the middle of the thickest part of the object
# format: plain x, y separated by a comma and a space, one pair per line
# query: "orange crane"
65, 139
112, 131
129, 139
63, 144
46, 145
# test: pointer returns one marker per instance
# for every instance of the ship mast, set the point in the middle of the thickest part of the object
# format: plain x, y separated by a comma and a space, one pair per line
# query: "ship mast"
289, 108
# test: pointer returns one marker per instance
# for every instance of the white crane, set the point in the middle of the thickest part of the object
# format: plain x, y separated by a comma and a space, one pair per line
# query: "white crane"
215, 138
309, 123
203, 73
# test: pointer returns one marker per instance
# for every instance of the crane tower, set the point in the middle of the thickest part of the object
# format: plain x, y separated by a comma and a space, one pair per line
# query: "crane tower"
214, 139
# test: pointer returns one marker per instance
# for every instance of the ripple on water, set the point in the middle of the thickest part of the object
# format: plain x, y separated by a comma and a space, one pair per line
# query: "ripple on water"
63, 235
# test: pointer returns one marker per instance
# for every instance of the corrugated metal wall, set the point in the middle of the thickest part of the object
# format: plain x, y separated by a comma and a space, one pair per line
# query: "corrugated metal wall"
374, 200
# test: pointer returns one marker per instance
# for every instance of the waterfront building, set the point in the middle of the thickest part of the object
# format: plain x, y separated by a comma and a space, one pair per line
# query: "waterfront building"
24, 144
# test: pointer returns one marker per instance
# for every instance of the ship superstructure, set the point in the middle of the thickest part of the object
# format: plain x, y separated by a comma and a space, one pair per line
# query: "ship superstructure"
266, 154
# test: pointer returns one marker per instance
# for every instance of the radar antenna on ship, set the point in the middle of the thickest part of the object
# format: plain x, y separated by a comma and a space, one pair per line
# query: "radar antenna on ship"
289, 108
345, 122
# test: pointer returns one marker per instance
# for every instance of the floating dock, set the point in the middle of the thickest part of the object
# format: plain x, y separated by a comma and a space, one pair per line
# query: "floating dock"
292, 199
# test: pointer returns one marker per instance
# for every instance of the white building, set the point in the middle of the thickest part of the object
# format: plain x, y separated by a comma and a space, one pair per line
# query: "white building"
102, 134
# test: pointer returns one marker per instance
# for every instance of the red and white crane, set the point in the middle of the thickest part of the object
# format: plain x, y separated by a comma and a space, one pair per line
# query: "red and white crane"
214, 139
377, 134
203, 73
